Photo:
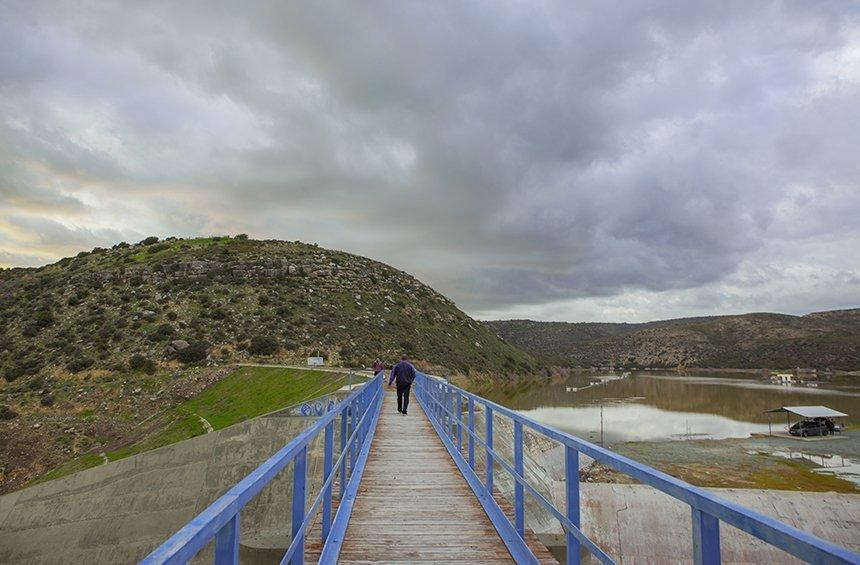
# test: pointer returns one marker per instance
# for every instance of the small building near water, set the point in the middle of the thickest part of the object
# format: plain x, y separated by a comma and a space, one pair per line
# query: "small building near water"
783, 378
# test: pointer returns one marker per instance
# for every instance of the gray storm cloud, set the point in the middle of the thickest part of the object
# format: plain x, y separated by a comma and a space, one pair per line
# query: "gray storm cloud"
560, 160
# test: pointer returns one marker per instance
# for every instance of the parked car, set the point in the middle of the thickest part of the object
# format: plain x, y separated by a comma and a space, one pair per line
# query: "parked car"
832, 426
809, 428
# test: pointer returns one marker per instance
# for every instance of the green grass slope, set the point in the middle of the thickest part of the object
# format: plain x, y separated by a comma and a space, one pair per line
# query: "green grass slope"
244, 393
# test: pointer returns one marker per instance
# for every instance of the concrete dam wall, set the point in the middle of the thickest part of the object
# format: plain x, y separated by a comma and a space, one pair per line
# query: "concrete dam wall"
119, 512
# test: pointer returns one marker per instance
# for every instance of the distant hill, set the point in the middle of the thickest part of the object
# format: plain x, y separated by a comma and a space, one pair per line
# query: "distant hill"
822, 339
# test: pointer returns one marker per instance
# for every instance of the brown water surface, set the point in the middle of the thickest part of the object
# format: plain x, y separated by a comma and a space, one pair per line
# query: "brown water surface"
666, 406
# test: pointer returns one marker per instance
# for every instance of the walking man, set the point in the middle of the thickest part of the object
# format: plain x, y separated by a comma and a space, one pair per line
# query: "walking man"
404, 373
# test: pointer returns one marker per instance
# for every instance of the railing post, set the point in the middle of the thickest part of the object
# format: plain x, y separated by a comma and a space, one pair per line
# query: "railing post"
459, 412
471, 438
706, 538
451, 423
353, 453
227, 543
299, 477
327, 470
359, 437
519, 502
489, 439
571, 465
446, 418
343, 436
438, 404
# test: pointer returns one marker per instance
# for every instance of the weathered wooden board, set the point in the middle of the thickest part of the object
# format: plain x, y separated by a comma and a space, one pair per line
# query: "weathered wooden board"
413, 505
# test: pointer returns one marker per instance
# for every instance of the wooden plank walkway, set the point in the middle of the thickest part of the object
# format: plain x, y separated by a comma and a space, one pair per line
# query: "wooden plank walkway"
413, 504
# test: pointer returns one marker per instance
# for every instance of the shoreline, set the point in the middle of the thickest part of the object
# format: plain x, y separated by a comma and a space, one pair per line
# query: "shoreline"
747, 371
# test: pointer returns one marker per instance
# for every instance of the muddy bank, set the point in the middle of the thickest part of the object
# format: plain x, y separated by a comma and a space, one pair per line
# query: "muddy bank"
766, 462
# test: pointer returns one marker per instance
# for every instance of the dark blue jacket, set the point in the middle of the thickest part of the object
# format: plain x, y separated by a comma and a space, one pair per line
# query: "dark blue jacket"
403, 372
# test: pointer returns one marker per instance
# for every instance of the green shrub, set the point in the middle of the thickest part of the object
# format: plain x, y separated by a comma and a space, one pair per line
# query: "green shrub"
47, 400
7, 413
149, 240
140, 363
24, 366
194, 353
163, 332
263, 345
13, 373
30, 330
79, 363
44, 318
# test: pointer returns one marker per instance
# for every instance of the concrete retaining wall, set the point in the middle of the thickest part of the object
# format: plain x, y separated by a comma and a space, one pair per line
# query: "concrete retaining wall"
119, 512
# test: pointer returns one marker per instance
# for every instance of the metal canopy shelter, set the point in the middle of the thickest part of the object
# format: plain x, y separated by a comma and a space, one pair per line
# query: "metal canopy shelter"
804, 412
810, 411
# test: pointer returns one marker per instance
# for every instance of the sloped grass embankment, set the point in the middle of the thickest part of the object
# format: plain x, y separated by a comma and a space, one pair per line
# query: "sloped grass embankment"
245, 393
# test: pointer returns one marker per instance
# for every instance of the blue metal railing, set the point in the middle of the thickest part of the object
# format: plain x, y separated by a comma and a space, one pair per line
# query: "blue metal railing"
358, 415
444, 405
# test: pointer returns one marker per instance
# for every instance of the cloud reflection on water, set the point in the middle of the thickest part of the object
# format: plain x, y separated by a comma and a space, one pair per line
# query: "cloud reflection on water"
630, 421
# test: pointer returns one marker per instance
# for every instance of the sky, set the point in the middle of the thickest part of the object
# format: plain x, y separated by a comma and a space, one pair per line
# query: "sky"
571, 160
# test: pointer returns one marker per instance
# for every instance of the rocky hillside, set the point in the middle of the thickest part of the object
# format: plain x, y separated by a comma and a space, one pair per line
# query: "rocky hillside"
227, 299
120, 350
823, 340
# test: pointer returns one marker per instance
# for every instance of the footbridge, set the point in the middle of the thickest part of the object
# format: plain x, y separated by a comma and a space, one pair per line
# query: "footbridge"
425, 488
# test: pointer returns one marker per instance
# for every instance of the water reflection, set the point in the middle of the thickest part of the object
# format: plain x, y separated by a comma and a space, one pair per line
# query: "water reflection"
831, 464
648, 407
631, 421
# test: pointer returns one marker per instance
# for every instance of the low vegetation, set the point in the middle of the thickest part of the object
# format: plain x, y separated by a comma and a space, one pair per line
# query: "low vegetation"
824, 340
221, 299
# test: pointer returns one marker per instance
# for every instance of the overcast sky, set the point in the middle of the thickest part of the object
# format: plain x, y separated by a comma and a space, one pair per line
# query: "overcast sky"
553, 160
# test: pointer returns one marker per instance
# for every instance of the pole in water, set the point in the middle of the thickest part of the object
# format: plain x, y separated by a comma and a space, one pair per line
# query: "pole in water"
601, 425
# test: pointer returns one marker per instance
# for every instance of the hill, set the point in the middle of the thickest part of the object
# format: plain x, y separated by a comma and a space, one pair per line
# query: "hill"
822, 339
119, 350
227, 299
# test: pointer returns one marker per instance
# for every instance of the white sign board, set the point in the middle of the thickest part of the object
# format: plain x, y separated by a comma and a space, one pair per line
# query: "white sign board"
315, 362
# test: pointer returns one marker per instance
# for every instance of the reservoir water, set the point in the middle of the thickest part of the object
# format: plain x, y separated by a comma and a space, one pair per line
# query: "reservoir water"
665, 406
